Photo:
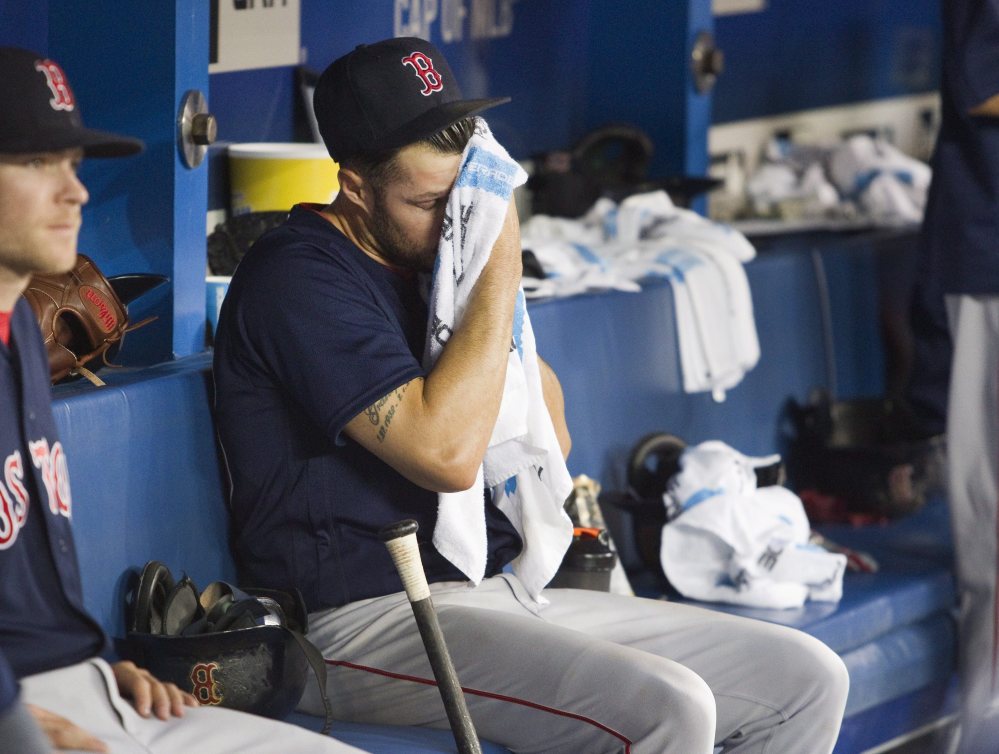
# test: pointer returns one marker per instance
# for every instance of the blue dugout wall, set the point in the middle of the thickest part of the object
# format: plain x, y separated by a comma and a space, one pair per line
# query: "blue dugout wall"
804, 54
130, 62
571, 65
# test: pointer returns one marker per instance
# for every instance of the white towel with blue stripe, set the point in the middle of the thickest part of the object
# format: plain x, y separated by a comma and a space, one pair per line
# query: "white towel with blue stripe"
523, 465
703, 261
646, 235
728, 541
889, 186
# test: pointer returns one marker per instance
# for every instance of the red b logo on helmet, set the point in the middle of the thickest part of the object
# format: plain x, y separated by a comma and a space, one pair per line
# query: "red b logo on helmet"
62, 95
203, 685
424, 67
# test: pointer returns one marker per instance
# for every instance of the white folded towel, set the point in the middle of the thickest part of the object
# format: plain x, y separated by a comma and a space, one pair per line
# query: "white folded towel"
615, 245
716, 328
728, 541
715, 322
886, 183
523, 463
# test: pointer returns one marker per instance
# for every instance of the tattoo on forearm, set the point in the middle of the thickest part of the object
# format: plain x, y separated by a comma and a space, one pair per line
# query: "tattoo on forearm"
374, 411
384, 428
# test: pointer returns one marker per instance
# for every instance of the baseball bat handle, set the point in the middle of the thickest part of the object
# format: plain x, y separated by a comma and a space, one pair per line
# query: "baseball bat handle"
400, 539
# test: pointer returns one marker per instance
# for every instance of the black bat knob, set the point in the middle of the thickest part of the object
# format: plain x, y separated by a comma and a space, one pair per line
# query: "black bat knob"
398, 529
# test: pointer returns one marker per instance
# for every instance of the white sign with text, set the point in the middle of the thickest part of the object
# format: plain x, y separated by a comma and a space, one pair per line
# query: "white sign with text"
255, 34
478, 19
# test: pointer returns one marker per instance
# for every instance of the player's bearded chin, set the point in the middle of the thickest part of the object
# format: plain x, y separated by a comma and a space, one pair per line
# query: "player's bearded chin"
395, 245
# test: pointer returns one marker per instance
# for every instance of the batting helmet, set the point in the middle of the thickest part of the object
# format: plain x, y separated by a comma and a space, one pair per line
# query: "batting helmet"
239, 648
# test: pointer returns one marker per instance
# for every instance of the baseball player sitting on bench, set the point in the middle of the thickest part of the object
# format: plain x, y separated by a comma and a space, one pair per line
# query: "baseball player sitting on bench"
55, 690
332, 428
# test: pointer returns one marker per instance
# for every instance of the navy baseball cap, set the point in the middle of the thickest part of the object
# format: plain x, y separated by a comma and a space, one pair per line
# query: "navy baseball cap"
389, 94
38, 111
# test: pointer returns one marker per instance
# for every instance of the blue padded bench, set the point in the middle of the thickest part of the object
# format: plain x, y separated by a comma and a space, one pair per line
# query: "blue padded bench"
147, 483
894, 629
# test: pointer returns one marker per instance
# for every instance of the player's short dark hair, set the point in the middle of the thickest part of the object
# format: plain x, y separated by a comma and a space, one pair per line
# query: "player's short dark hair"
380, 168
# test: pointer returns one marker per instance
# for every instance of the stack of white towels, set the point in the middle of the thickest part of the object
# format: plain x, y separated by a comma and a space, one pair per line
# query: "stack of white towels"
862, 179
614, 246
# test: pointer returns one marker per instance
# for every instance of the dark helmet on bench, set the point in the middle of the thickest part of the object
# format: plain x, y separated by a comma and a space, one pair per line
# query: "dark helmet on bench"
237, 648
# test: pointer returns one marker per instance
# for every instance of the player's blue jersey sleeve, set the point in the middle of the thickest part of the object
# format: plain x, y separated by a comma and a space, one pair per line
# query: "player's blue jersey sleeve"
974, 32
319, 329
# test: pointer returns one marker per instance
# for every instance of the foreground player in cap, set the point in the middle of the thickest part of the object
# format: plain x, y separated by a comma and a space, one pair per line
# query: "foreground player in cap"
332, 429
54, 689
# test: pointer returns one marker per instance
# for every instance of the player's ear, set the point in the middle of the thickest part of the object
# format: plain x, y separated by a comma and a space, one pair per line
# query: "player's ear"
354, 188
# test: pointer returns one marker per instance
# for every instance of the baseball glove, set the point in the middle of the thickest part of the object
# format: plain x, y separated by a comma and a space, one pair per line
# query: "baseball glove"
81, 317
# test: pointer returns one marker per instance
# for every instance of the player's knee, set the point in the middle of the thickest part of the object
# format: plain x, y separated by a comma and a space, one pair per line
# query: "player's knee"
821, 672
699, 706
688, 711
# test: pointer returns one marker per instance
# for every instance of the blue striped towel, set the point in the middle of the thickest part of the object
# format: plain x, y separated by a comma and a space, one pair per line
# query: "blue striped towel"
523, 464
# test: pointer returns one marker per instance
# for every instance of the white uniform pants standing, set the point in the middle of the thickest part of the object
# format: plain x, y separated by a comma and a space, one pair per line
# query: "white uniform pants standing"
973, 466
591, 672
87, 695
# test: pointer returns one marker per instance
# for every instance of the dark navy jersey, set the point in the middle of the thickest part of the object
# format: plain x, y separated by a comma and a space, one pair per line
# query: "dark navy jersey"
961, 225
313, 331
43, 624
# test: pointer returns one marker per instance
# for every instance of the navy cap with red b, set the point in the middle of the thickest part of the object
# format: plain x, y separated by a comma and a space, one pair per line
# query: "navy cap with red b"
385, 95
38, 111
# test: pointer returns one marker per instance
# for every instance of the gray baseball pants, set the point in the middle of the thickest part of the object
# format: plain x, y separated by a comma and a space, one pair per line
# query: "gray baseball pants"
973, 466
87, 695
590, 672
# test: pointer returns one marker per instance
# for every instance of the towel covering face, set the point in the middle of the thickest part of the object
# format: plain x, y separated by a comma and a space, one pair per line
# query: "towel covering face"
523, 464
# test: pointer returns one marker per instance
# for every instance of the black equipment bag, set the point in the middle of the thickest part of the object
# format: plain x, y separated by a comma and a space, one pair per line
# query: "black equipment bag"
867, 453
611, 161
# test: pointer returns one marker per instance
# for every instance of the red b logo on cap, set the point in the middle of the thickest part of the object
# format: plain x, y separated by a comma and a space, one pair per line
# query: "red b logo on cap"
424, 68
62, 95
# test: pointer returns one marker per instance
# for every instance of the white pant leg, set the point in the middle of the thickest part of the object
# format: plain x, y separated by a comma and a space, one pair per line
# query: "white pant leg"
776, 689
87, 695
973, 465
592, 672
530, 685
